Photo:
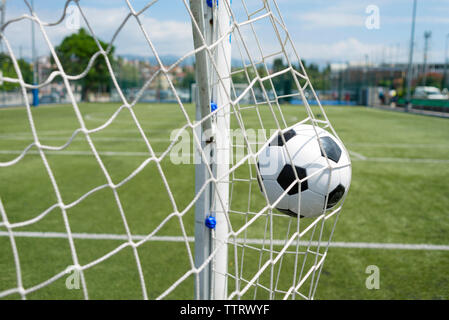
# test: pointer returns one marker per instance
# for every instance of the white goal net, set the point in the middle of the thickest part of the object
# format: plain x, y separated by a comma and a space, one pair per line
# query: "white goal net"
105, 200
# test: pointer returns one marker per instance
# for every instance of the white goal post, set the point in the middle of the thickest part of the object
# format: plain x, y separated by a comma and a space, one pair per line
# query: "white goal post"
250, 86
211, 25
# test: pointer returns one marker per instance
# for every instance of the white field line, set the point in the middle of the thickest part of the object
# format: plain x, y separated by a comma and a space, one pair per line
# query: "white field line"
80, 137
123, 237
82, 153
70, 132
89, 117
49, 134
358, 157
398, 145
46, 106
403, 160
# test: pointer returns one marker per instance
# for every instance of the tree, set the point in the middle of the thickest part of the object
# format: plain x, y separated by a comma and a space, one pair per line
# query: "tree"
241, 77
284, 82
128, 74
8, 71
432, 79
188, 79
318, 78
75, 52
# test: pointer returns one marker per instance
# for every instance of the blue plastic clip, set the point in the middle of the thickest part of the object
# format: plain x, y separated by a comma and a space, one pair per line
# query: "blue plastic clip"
213, 106
211, 222
209, 3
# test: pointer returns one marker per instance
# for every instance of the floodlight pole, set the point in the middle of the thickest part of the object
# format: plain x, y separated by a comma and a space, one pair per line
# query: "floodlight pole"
210, 19
427, 36
34, 59
410, 62
446, 61
2, 21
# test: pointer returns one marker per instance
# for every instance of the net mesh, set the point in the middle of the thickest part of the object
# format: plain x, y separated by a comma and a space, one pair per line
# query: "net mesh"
270, 255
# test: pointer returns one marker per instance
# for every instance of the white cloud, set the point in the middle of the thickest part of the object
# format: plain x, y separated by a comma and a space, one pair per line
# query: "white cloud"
343, 50
172, 36
341, 15
331, 19
168, 36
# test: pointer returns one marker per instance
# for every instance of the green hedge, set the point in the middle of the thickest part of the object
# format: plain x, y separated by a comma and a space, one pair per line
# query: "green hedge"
427, 103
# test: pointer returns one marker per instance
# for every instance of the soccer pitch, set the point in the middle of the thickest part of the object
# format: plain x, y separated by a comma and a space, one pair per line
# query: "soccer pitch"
398, 201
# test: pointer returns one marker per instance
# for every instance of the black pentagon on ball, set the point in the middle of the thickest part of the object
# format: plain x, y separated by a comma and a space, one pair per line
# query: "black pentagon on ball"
287, 176
335, 196
331, 148
287, 136
289, 213
259, 179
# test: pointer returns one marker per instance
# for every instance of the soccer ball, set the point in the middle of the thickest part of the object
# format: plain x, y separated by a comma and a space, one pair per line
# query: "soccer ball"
302, 151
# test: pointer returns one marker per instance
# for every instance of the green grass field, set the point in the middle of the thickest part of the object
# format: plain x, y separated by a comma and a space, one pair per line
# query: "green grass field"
399, 195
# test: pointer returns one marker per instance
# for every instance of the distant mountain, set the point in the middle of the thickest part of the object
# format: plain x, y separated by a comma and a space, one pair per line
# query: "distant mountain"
170, 59
166, 59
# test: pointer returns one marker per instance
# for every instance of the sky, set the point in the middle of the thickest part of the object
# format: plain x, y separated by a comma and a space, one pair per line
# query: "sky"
322, 30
